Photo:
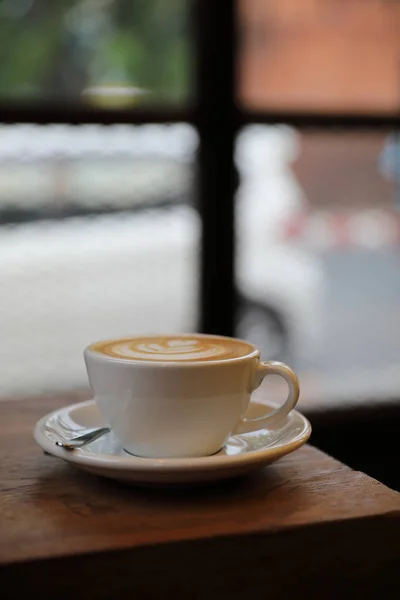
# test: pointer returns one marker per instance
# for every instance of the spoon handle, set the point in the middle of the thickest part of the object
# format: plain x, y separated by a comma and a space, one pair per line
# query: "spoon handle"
83, 439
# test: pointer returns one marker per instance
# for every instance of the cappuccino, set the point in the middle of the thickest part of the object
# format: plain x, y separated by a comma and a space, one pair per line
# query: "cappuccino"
174, 348
175, 396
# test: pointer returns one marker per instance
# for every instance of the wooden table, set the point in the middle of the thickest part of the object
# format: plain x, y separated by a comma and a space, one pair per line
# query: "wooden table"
307, 525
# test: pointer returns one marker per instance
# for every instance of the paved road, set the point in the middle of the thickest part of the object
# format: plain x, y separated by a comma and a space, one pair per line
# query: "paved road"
361, 317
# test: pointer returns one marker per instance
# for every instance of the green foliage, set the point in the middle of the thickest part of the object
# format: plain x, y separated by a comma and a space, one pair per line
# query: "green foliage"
58, 48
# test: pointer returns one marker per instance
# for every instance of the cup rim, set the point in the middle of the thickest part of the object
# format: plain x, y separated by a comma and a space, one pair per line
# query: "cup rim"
88, 351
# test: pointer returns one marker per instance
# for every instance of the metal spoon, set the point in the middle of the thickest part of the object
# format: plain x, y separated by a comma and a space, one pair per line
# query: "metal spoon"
83, 439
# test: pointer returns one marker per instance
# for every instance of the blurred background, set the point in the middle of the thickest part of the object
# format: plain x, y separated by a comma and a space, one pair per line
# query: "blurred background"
100, 231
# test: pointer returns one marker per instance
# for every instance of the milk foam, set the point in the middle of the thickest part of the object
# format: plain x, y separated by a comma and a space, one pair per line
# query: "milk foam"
174, 348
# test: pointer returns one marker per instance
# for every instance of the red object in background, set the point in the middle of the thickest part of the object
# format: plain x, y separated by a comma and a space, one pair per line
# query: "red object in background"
341, 229
324, 230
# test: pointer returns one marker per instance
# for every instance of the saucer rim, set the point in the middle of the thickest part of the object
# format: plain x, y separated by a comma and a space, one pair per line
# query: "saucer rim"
130, 462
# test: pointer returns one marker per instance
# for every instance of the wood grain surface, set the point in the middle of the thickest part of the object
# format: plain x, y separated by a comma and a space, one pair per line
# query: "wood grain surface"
306, 524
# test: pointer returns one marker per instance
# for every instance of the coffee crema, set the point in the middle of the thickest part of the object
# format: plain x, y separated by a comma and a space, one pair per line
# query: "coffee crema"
174, 348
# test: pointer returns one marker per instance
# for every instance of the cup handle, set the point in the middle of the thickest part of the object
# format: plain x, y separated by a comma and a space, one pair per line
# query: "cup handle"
272, 368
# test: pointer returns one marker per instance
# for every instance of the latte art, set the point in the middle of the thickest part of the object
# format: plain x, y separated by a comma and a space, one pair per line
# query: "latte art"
174, 349
169, 350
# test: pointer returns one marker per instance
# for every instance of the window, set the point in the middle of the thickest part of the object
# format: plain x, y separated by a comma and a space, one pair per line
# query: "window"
99, 236
320, 55
98, 52
319, 81
267, 161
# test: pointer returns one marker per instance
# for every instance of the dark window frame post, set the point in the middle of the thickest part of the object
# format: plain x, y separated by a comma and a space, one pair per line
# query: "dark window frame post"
217, 179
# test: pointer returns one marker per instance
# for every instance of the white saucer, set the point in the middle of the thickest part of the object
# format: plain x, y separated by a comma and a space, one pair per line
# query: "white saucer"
242, 454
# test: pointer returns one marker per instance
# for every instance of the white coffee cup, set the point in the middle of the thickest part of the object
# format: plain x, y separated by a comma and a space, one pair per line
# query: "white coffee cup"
169, 408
